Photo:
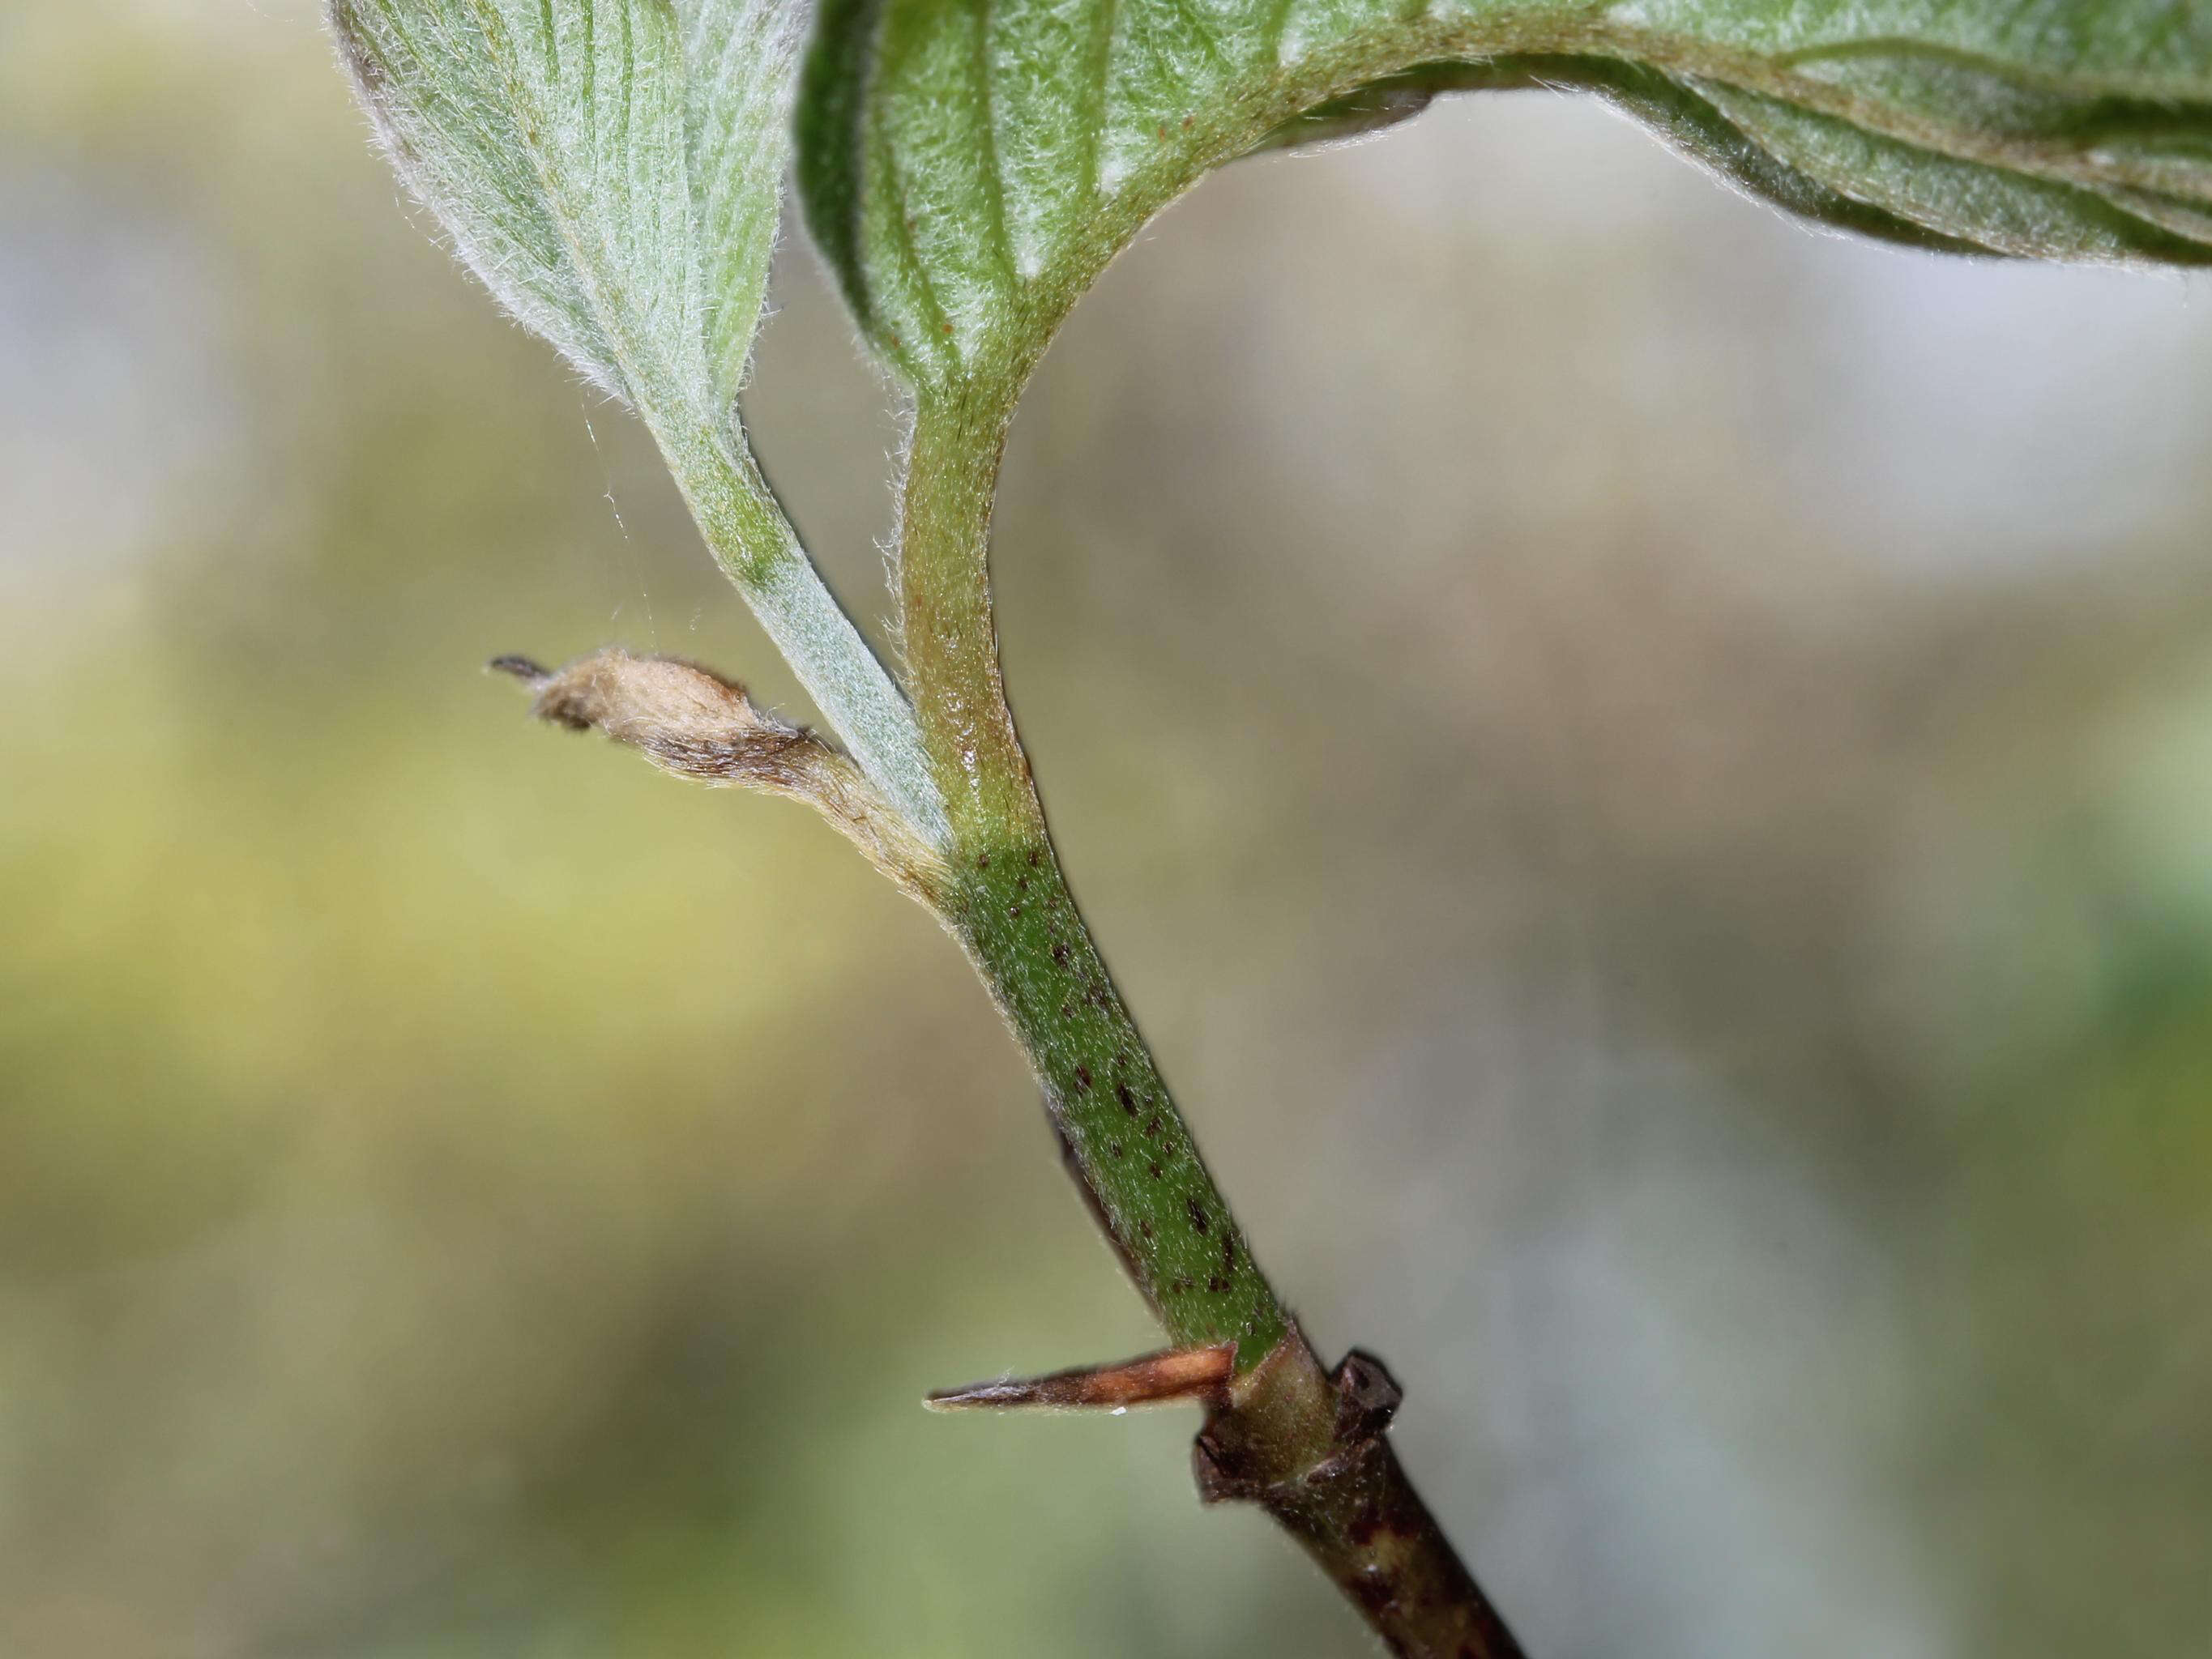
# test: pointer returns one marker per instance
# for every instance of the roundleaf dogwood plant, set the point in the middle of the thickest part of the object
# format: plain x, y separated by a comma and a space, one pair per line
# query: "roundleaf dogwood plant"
613, 170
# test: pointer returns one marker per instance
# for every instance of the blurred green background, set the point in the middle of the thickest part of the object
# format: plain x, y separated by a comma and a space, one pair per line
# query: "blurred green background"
1649, 774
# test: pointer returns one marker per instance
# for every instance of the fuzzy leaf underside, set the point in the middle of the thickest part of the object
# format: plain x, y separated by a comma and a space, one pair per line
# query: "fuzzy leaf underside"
613, 170
740, 66
967, 167
610, 169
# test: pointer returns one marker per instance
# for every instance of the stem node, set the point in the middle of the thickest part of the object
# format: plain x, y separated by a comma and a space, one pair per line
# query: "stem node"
1311, 1448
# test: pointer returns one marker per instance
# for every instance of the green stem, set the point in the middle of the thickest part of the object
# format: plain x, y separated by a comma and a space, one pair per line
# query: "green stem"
1010, 906
1124, 1138
1306, 1445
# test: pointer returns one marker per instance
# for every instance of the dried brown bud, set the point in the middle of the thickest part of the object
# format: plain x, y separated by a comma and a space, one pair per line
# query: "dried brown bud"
690, 720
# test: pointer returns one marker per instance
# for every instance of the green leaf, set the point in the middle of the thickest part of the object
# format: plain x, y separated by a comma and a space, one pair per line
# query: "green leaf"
740, 59
610, 168
969, 166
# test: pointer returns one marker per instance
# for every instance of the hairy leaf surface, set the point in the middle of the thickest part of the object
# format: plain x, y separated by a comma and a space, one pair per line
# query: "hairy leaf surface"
969, 166
610, 168
740, 67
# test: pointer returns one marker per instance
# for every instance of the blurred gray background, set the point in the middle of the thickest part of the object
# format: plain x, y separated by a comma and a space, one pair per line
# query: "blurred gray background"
1648, 773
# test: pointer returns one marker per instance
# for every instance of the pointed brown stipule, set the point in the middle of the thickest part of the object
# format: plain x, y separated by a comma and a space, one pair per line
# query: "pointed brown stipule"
1152, 1379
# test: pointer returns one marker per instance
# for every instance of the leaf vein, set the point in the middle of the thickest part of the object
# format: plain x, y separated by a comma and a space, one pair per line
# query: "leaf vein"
990, 159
